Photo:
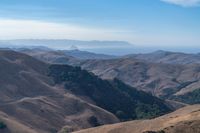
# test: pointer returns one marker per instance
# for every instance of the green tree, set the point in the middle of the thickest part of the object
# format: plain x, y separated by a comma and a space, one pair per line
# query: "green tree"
2, 125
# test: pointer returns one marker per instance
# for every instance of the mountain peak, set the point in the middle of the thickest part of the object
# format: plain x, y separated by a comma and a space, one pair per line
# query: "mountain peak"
74, 48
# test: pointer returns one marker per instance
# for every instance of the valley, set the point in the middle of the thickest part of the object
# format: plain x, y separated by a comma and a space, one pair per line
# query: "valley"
42, 97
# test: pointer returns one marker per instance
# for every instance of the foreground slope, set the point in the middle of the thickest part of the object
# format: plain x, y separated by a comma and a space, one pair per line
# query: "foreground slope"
185, 120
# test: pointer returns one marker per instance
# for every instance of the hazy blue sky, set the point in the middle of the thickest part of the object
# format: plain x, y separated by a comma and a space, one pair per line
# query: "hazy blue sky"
141, 22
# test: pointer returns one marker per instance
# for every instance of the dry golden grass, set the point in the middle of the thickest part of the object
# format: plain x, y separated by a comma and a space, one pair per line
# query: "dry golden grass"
169, 123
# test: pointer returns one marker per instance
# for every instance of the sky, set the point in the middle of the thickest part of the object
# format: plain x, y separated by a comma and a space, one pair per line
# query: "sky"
167, 23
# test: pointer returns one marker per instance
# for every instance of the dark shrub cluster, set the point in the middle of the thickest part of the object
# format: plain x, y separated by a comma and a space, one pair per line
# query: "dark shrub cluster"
125, 102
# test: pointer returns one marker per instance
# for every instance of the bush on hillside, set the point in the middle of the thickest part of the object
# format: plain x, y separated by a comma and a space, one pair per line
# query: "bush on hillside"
2, 125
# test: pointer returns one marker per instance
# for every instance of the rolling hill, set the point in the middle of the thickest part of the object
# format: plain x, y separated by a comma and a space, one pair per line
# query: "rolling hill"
167, 57
160, 79
70, 57
29, 101
49, 56
185, 120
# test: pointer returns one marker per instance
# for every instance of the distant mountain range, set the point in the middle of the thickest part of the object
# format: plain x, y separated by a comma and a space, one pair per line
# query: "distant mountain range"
86, 55
65, 44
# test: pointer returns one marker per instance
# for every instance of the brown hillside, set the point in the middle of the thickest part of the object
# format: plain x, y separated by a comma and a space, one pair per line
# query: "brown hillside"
162, 80
29, 103
185, 120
